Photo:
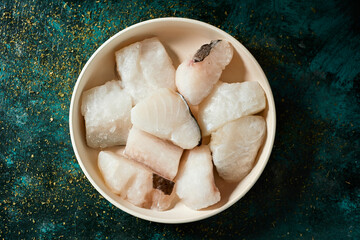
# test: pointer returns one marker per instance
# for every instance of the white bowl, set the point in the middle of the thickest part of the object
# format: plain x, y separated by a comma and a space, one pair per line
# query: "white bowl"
181, 37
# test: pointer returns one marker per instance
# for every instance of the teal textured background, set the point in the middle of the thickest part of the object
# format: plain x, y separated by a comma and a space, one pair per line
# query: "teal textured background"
309, 51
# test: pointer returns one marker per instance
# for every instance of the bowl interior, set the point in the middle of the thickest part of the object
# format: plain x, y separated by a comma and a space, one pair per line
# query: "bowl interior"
181, 38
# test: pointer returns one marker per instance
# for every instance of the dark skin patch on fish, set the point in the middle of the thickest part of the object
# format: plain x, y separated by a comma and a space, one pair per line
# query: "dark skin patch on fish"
162, 184
204, 51
192, 115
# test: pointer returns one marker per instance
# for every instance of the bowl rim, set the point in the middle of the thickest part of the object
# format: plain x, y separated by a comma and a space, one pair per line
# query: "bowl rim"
272, 131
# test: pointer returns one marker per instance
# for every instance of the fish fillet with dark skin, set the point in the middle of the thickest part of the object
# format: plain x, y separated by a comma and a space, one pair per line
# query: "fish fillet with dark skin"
166, 115
135, 182
196, 77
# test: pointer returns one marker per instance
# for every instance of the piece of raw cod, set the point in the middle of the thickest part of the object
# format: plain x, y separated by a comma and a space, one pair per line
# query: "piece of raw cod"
195, 183
161, 156
235, 146
106, 110
166, 115
134, 182
230, 101
144, 67
196, 77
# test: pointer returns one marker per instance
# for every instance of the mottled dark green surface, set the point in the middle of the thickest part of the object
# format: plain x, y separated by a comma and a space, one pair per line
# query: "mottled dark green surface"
310, 53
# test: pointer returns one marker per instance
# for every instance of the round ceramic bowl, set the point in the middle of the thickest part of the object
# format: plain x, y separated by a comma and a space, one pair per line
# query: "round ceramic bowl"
181, 38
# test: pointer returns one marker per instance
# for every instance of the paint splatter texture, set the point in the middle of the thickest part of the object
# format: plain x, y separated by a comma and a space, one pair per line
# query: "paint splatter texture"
310, 53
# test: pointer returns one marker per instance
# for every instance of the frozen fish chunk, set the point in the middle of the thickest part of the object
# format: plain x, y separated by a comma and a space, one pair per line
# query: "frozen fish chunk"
127, 178
196, 77
230, 101
159, 155
235, 145
166, 115
134, 182
195, 183
144, 67
106, 110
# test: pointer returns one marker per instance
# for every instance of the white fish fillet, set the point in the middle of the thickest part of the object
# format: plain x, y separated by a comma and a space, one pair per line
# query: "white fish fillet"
195, 183
235, 145
195, 79
144, 67
106, 110
131, 180
230, 101
125, 177
161, 156
166, 115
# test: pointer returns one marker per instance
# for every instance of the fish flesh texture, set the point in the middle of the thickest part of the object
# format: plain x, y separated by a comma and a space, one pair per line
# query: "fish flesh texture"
163, 193
196, 77
230, 101
106, 110
144, 67
195, 184
133, 181
159, 155
166, 115
125, 177
235, 145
